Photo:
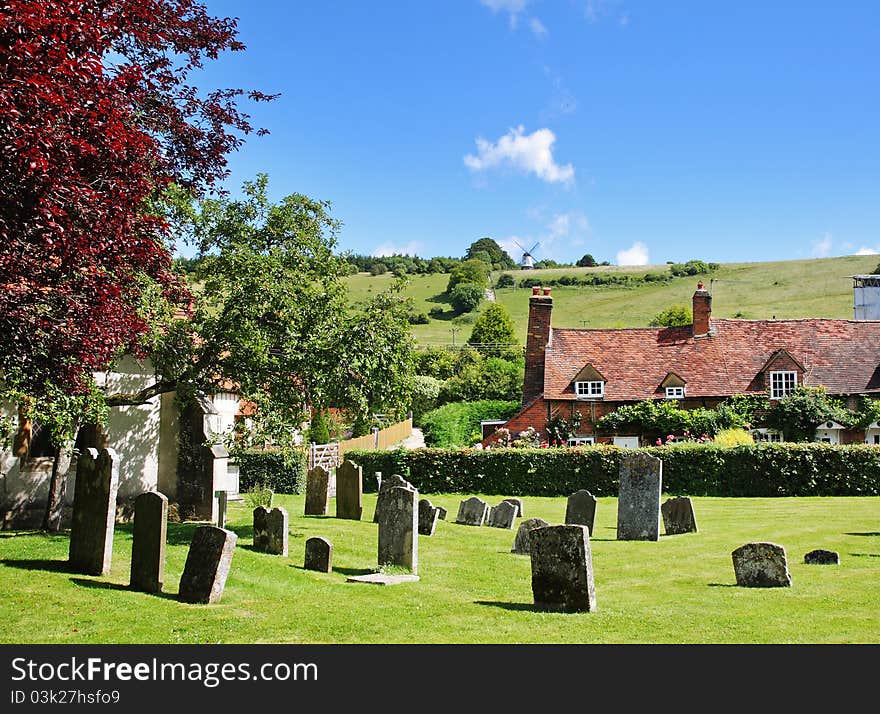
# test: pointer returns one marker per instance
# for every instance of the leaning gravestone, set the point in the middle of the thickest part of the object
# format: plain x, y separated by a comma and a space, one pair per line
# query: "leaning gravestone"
317, 492
94, 512
428, 516
502, 516
148, 542
385, 486
349, 491
519, 505
472, 512
261, 528
441, 513
581, 509
562, 568
678, 516
822, 557
319, 555
207, 565
638, 499
399, 529
761, 565
521, 542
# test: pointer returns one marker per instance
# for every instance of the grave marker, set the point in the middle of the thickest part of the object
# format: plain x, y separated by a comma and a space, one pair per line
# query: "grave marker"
580, 510
317, 492
638, 500
399, 529
349, 491
148, 542
562, 568
207, 565
94, 512
761, 565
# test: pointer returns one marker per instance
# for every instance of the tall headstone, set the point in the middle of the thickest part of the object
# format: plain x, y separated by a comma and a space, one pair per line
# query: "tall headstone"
94, 512
399, 529
277, 523
148, 542
638, 499
386, 484
207, 565
261, 529
761, 565
222, 497
521, 542
349, 491
581, 509
472, 512
319, 555
502, 516
317, 492
519, 506
428, 516
678, 516
562, 568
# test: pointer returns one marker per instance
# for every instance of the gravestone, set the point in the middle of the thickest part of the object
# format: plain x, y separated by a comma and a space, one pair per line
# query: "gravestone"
349, 491
761, 565
94, 512
472, 512
581, 510
428, 516
822, 557
562, 568
221, 497
519, 505
502, 516
148, 542
317, 492
521, 542
207, 565
399, 529
678, 516
441, 513
319, 555
261, 529
638, 499
386, 484
277, 523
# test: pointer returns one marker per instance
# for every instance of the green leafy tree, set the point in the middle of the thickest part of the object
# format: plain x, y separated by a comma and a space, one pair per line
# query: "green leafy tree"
588, 261
505, 280
675, 316
465, 297
494, 333
799, 414
494, 254
469, 271
425, 391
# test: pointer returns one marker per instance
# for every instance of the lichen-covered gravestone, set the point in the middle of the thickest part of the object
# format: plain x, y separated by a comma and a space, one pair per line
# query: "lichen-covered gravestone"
399, 529
94, 512
472, 512
678, 516
317, 492
502, 516
386, 485
519, 506
319, 555
349, 491
761, 565
148, 542
521, 542
261, 528
580, 510
562, 568
428, 516
207, 565
822, 557
270, 530
638, 499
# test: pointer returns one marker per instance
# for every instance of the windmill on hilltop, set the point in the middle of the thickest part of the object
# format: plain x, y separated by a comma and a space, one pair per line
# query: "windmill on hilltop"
527, 262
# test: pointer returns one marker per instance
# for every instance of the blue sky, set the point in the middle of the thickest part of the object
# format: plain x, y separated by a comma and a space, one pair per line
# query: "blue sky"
637, 131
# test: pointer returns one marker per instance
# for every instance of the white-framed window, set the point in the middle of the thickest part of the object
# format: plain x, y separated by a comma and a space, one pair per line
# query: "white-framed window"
782, 384
675, 392
586, 390
767, 436
580, 441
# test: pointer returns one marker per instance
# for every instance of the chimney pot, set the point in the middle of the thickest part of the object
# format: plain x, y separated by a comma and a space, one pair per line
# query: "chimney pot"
546, 291
702, 311
536, 290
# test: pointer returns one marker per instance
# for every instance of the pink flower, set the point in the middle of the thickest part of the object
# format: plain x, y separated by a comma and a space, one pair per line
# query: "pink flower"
659, 441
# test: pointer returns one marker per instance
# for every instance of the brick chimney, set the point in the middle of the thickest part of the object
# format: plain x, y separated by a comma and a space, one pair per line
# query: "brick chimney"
540, 307
702, 311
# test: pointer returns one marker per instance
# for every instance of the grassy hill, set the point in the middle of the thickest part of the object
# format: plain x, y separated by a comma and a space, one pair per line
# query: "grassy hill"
818, 287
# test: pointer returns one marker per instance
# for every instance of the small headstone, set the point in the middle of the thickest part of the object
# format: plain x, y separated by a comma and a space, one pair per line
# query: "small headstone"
519, 505
562, 568
94, 512
386, 484
503, 515
441, 513
383, 578
319, 555
472, 512
317, 492
261, 529
428, 516
521, 542
207, 565
349, 491
148, 542
399, 529
822, 557
638, 498
678, 516
761, 565
221, 497
581, 509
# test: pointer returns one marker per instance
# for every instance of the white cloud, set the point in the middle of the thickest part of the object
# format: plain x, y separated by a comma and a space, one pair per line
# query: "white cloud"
531, 153
636, 255
387, 248
865, 250
822, 247
512, 7
537, 27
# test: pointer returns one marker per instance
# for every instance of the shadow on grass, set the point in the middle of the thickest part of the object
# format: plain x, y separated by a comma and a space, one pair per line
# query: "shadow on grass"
865, 555
873, 533
723, 585
104, 585
53, 566
514, 606
354, 571
180, 533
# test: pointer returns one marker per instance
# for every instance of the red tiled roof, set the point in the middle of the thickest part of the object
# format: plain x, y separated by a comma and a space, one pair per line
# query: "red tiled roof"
842, 355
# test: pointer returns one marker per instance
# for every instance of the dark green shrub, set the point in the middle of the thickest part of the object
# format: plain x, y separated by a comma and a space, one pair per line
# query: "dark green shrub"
282, 471
505, 281
319, 429
458, 424
465, 297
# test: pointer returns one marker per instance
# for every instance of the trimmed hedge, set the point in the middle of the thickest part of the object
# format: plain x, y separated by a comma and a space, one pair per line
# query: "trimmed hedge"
690, 469
280, 471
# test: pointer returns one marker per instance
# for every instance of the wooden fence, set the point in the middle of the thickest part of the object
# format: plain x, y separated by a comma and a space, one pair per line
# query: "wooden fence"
332, 454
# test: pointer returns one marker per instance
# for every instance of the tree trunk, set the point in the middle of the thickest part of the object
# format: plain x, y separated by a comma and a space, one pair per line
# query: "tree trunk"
57, 484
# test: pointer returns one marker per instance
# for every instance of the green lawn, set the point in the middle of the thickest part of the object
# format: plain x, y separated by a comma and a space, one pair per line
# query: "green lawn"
679, 590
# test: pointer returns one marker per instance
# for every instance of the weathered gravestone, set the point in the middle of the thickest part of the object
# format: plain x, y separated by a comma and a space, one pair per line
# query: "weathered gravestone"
349, 491
441, 513
207, 565
822, 557
562, 568
277, 531
502, 516
148, 542
761, 565
428, 516
472, 512
317, 492
261, 528
678, 516
399, 529
519, 505
384, 487
521, 542
581, 510
222, 501
638, 499
94, 512
319, 555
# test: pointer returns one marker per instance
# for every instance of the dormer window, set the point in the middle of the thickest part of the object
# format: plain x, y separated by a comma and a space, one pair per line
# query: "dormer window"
782, 383
589, 390
675, 392
673, 385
